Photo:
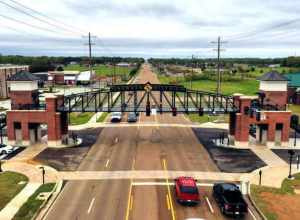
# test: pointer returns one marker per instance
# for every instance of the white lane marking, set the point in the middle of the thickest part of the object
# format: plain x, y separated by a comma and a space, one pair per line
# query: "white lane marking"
251, 213
91, 206
165, 184
107, 162
116, 140
209, 205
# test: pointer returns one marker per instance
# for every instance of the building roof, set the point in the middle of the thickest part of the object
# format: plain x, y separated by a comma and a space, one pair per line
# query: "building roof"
85, 76
294, 79
272, 76
23, 76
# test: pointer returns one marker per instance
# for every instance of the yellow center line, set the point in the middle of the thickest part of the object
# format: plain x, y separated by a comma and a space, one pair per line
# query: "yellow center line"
169, 191
130, 197
168, 201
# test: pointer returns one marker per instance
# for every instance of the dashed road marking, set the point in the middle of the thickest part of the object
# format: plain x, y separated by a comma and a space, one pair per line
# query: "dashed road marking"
209, 205
107, 162
91, 206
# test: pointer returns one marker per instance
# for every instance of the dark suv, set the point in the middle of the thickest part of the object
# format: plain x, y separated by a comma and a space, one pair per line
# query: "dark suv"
229, 198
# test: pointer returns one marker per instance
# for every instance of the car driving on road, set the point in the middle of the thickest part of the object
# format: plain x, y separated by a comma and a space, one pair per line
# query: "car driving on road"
6, 149
132, 117
116, 117
186, 190
229, 198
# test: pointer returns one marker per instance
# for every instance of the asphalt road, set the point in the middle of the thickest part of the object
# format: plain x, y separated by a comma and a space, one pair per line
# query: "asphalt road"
138, 149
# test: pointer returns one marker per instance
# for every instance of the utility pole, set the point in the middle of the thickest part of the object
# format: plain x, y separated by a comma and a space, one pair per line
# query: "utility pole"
219, 49
191, 83
90, 44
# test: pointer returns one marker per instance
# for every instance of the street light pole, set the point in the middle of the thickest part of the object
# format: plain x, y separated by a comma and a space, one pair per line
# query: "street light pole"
291, 153
43, 175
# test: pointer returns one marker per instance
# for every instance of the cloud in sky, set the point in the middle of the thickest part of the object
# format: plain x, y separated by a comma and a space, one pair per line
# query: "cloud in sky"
153, 28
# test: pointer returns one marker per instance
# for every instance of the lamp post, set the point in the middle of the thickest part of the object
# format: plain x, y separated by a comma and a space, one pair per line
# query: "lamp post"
43, 175
260, 174
298, 161
291, 153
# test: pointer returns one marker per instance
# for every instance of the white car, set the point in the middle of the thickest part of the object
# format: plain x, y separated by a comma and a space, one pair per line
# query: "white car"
6, 149
116, 117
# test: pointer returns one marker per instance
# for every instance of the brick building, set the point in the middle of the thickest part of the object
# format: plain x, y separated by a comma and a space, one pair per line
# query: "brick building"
263, 118
27, 115
7, 71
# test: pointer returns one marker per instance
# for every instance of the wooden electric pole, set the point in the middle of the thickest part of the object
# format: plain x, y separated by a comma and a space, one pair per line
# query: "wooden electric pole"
219, 49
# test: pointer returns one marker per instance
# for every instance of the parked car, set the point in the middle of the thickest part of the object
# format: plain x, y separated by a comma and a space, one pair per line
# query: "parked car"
6, 149
116, 117
230, 199
132, 117
186, 190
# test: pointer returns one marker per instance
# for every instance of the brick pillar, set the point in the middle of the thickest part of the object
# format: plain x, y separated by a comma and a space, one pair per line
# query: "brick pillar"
271, 134
11, 135
55, 129
25, 133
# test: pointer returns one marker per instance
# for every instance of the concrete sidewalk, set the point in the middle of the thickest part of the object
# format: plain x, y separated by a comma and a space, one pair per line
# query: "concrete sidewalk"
9, 211
147, 174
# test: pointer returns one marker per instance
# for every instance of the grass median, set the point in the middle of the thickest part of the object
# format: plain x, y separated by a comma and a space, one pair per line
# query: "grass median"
102, 117
80, 118
33, 204
280, 203
10, 186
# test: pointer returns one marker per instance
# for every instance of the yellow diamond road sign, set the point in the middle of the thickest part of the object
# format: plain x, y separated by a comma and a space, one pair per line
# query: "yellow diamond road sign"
148, 87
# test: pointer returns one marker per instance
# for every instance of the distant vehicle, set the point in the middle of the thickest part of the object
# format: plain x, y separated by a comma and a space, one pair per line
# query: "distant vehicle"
229, 198
116, 117
6, 149
186, 190
132, 117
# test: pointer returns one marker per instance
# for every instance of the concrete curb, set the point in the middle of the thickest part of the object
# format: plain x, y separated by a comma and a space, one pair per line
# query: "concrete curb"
254, 205
45, 207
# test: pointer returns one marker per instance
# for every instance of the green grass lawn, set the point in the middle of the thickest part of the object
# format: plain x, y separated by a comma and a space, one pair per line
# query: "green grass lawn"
287, 189
9, 186
80, 118
246, 87
206, 118
101, 70
102, 117
32, 205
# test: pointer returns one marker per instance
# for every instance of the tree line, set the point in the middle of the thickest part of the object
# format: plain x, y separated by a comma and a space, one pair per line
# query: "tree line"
45, 63
285, 62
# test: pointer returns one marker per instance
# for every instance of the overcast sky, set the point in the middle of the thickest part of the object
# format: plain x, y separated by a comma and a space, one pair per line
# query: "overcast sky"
152, 28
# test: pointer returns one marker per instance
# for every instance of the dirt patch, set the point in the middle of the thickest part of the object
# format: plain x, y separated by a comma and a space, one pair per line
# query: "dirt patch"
284, 155
228, 159
68, 159
286, 207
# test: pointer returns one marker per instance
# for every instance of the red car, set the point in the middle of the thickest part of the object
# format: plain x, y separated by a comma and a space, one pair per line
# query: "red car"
186, 190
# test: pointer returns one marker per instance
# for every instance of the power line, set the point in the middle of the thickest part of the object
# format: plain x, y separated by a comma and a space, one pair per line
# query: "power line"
70, 27
37, 18
27, 24
219, 49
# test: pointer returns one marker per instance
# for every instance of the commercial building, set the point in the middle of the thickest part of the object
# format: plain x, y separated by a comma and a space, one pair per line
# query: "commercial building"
27, 114
7, 71
263, 119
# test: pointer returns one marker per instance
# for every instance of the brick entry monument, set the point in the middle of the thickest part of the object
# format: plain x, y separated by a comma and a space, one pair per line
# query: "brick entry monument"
26, 116
263, 118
